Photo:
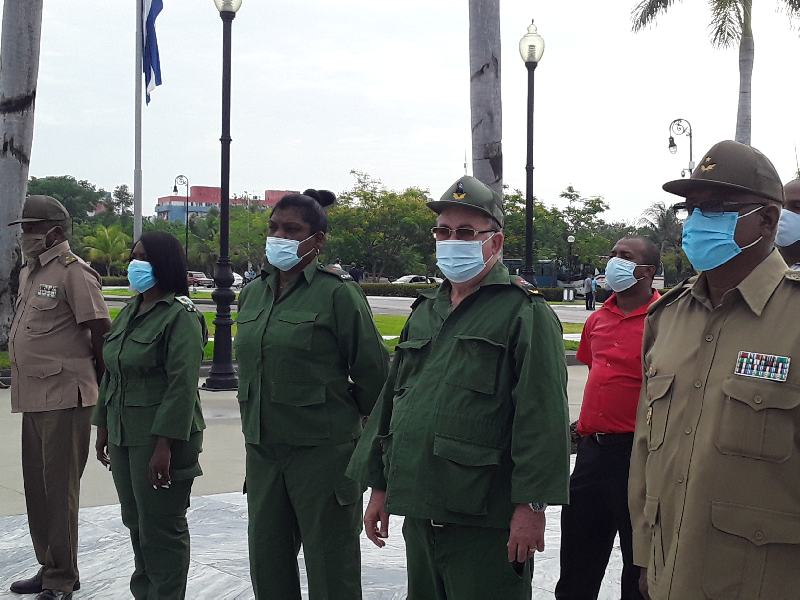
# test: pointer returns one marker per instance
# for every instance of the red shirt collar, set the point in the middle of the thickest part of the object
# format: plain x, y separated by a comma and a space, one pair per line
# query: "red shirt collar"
611, 305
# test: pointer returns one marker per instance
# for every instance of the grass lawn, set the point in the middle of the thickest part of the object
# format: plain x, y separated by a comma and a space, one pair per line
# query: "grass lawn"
128, 293
572, 327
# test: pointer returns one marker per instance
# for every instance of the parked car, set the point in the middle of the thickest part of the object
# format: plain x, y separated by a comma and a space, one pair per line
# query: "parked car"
198, 279
417, 279
238, 281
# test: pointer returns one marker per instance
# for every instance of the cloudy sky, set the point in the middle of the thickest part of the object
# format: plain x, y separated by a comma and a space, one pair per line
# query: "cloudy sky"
323, 87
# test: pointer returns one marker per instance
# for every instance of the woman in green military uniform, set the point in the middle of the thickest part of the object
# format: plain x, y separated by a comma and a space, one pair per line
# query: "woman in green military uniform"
148, 416
311, 365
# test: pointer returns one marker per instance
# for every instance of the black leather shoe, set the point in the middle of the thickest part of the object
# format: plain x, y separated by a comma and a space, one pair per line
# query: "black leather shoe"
54, 595
34, 585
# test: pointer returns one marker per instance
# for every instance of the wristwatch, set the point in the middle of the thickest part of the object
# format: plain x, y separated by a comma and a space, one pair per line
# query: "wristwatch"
538, 506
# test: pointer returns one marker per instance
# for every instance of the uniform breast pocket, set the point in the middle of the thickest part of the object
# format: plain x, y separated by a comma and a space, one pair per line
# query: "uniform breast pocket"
758, 419
41, 314
658, 400
475, 362
142, 348
295, 329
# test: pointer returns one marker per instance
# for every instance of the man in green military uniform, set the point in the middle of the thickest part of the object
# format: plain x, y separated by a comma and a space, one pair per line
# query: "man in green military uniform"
470, 436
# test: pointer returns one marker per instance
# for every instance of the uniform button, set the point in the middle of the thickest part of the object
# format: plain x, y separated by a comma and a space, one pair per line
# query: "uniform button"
680, 479
709, 338
687, 431
758, 399
698, 384
759, 535
652, 371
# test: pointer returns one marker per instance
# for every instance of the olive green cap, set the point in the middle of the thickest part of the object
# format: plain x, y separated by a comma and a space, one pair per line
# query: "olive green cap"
733, 166
468, 191
42, 208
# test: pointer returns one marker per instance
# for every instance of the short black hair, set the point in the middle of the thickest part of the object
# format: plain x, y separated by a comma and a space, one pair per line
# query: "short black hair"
166, 255
311, 204
651, 252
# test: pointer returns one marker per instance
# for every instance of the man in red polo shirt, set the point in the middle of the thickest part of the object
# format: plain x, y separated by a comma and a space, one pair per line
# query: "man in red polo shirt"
611, 346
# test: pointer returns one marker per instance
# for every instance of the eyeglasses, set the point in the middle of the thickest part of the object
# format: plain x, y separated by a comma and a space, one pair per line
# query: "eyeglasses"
463, 234
712, 208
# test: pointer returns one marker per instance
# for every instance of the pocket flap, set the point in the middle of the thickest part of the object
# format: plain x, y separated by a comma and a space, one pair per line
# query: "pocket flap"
658, 386
479, 339
465, 453
145, 336
42, 303
295, 393
43, 370
651, 510
414, 344
248, 315
760, 393
297, 316
758, 525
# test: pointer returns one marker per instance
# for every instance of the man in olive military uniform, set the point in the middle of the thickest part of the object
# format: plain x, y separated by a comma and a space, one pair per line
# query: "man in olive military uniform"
55, 347
470, 436
715, 471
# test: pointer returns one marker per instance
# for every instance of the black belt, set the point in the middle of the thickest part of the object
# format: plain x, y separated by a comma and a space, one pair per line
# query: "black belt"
611, 439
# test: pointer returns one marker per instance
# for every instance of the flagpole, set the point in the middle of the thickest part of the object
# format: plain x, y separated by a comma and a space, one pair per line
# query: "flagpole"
137, 151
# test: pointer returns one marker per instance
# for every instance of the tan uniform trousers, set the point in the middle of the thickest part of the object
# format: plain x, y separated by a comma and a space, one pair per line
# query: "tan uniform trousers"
55, 446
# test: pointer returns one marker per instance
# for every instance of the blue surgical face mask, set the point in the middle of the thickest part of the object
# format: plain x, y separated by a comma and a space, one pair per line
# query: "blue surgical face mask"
282, 253
460, 261
788, 229
619, 274
140, 275
709, 240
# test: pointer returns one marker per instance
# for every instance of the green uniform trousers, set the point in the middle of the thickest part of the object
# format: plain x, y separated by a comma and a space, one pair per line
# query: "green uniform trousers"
458, 562
157, 518
299, 495
55, 446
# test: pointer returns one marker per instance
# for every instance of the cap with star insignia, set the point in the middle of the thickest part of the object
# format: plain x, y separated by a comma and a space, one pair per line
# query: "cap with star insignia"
732, 166
471, 192
42, 208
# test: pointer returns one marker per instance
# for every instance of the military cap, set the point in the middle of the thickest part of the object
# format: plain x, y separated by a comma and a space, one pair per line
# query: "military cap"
42, 208
733, 166
468, 191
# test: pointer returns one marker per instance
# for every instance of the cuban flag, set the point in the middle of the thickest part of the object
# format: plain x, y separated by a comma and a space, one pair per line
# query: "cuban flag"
151, 63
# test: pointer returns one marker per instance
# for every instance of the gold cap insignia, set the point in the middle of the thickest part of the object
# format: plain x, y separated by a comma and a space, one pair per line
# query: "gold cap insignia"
459, 194
707, 167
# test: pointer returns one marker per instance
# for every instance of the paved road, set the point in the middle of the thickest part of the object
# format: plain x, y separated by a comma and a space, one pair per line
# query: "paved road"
382, 305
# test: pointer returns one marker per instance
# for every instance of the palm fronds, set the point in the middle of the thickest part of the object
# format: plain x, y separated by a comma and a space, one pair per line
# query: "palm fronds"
647, 11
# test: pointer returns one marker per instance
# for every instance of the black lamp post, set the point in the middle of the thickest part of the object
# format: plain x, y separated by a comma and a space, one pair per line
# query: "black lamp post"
681, 127
570, 241
183, 180
222, 375
531, 48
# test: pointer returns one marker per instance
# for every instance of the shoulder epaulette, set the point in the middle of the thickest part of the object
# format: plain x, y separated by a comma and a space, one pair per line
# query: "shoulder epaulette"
68, 258
672, 295
187, 303
792, 275
527, 287
340, 273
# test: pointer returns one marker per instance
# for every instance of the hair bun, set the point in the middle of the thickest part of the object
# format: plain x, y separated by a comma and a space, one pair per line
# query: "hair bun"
323, 197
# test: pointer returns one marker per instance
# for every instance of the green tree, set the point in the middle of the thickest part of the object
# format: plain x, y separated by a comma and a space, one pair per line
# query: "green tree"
122, 200
731, 23
79, 197
108, 246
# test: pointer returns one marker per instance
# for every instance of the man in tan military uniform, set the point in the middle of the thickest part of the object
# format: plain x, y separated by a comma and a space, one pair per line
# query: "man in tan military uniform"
715, 473
56, 356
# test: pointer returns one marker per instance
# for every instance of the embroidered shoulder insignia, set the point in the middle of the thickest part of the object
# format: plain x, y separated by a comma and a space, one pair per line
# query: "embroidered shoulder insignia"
68, 259
792, 275
525, 286
187, 303
340, 273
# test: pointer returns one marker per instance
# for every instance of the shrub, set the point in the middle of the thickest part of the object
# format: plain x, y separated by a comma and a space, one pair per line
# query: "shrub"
114, 280
409, 290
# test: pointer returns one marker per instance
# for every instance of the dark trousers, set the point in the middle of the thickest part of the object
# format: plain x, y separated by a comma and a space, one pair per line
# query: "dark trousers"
55, 446
457, 562
598, 510
589, 300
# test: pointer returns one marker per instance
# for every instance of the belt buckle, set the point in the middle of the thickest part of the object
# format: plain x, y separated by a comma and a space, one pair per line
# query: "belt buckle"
435, 524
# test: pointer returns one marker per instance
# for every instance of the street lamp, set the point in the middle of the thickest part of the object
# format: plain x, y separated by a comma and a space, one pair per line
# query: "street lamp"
531, 49
222, 375
183, 180
681, 127
570, 241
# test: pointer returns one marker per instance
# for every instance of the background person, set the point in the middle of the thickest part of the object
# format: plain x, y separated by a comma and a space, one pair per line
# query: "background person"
469, 440
149, 420
610, 346
311, 365
55, 349
787, 238
715, 468
588, 292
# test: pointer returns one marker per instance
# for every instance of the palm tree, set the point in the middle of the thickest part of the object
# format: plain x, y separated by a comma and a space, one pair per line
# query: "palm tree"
662, 226
108, 246
731, 22
19, 72
484, 92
